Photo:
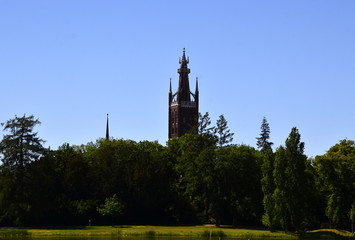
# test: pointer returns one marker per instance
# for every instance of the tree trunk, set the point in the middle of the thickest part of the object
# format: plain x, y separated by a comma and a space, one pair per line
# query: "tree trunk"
234, 224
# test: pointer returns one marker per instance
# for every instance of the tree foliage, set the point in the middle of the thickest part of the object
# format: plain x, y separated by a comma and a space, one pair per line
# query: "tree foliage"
222, 132
204, 123
336, 179
268, 188
19, 148
267, 168
291, 184
197, 178
112, 207
263, 142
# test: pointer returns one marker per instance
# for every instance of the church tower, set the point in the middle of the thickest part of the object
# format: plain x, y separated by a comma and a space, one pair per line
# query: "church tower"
183, 105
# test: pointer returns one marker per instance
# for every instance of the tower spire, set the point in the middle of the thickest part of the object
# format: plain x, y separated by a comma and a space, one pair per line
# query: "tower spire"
184, 71
183, 105
107, 131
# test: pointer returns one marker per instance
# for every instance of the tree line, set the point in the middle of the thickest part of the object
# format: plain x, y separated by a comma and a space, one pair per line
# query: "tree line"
198, 178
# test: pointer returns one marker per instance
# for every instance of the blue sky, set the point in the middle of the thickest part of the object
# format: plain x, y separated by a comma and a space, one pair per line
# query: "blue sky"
70, 62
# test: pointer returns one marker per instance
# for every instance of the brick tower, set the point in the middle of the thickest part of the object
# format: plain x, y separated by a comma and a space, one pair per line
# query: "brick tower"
183, 105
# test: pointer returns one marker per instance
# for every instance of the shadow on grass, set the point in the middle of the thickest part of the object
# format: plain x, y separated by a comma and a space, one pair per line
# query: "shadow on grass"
79, 227
324, 235
12, 232
244, 227
63, 227
122, 226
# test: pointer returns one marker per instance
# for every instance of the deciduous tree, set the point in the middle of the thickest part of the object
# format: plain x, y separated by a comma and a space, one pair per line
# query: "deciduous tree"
336, 179
291, 190
112, 207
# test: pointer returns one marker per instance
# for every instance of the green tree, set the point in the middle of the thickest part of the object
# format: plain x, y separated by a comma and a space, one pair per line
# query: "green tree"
195, 162
267, 167
291, 179
149, 180
44, 186
268, 188
352, 216
238, 183
263, 142
222, 132
140, 173
205, 129
112, 207
204, 124
336, 179
219, 183
19, 148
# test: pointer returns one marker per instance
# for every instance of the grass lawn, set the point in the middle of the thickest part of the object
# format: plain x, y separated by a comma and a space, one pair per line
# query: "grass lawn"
194, 231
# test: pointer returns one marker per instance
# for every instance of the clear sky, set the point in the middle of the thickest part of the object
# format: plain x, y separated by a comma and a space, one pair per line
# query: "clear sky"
69, 62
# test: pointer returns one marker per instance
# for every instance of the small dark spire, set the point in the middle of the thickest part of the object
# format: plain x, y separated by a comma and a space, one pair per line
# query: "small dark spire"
170, 90
107, 131
183, 61
196, 89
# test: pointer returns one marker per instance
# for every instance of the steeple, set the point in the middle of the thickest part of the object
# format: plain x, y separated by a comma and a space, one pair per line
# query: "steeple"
183, 104
184, 88
107, 131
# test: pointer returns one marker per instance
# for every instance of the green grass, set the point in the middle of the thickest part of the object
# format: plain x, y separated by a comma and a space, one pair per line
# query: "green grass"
327, 234
204, 231
5, 232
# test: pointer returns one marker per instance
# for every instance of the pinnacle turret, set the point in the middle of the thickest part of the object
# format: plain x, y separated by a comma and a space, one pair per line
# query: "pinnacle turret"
183, 61
170, 89
107, 130
196, 89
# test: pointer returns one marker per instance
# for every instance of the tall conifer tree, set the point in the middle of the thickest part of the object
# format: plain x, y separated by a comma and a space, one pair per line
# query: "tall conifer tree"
263, 142
222, 132
267, 167
18, 148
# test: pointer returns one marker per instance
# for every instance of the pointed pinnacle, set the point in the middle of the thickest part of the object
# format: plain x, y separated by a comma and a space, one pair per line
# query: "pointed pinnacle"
183, 55
107, 130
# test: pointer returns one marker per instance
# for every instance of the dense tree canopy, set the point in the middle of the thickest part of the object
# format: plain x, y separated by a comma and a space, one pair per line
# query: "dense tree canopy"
336, 180
291, 185
197, 178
